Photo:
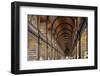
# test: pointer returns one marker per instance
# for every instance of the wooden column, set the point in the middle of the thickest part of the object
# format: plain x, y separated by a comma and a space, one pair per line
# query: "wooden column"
38, 24
76, 23
79, 45
46, 52
79, 35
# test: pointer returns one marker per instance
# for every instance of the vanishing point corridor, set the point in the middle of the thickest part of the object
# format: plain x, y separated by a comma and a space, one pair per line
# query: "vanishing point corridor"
57, 37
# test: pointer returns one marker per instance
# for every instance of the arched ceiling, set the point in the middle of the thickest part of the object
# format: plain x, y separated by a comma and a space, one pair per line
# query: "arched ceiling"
62, 29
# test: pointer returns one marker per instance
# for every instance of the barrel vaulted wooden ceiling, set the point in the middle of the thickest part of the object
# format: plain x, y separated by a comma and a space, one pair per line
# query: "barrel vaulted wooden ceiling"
62, 29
